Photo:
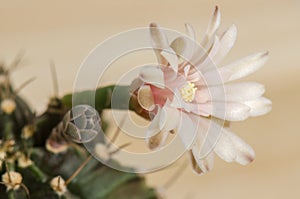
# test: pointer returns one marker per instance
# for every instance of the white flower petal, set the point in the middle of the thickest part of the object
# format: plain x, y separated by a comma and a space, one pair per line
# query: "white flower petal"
194, 163
145, 98
225, 148
220, 48
154, 125
200, 51
231, 111
206, 62
213, 26
135, 84
242, 67
153, 75
155, 138
191, 44
172, 59
179, 45
210, 138
207, 163
227, 41
158, 140
259, 106
187, 130
212, 132
245, 153
169, 119
190, 31
159, 41
235, 70
203, 165
243, 91
238, 92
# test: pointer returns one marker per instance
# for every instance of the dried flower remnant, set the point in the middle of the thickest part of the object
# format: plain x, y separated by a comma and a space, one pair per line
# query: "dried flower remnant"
12, 180
58, 184
24, 161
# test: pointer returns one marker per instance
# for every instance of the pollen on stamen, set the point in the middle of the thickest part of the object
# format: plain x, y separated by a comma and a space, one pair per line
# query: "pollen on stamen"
188, 92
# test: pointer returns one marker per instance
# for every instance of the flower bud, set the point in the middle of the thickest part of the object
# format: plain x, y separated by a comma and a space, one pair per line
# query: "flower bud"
8, 106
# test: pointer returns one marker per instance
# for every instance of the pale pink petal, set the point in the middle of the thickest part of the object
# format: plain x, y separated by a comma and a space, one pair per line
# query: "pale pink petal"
259, 106
245, 153
153, 75
202, 95
204, 109
186, 70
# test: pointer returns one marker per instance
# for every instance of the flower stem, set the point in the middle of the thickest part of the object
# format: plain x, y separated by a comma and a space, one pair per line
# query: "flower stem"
11, 195
38, 173
105, 97
108, 97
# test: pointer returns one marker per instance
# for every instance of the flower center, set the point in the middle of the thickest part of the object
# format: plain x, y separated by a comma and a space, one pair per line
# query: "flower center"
188, 91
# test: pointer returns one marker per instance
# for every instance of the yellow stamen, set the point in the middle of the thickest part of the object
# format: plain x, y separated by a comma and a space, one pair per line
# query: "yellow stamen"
188, 92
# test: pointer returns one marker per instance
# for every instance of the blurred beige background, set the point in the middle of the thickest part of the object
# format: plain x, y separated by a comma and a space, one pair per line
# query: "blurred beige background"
66, 31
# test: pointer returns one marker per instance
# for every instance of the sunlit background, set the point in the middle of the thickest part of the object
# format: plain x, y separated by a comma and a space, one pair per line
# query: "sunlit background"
66, 31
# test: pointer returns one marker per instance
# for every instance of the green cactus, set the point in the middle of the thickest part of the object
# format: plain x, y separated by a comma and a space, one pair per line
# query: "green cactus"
29, 169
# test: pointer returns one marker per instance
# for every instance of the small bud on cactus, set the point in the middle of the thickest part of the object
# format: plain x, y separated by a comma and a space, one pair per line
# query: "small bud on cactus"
58, 184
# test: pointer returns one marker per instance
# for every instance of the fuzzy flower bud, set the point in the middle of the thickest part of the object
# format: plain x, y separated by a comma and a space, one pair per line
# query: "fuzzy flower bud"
8, 106
24, 161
